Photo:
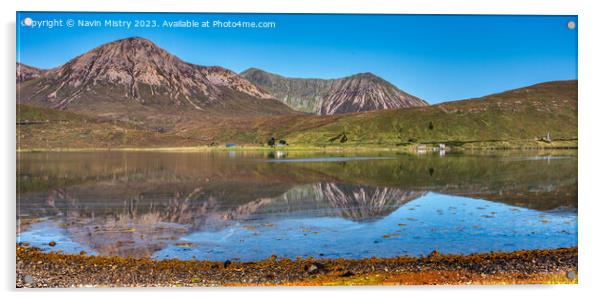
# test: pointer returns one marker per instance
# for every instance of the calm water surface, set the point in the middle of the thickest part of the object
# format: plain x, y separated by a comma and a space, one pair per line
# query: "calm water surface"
251, 205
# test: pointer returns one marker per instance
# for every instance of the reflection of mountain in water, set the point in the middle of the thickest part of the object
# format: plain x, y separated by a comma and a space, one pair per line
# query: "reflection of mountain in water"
364, 202
359, 203
145, 223
125, 227
540, 184
135, 203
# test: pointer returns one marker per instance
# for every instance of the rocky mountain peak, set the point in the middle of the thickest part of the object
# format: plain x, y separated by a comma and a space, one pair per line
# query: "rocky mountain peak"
355, 93
135, 69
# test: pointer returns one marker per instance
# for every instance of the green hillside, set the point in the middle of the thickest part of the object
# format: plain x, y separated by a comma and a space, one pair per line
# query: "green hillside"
515, 116
32, 114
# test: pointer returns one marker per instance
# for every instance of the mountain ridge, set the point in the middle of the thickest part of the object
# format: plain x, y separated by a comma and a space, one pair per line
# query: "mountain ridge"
355, 93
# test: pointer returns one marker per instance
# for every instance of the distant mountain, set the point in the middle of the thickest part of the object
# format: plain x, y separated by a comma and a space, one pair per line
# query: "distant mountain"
133, 75
25, 72
356, 93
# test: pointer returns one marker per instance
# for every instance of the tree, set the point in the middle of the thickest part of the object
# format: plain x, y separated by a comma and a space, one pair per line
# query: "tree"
272, 142
431, 127
400, 134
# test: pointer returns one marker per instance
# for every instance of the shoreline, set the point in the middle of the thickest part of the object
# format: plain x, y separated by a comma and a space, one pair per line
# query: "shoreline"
554, 266
328, 149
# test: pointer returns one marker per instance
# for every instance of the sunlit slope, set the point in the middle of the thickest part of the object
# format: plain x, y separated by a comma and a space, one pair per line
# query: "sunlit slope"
524, 114
47, 128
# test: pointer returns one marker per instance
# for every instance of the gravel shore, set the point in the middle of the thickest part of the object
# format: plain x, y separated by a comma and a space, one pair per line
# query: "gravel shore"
38, 269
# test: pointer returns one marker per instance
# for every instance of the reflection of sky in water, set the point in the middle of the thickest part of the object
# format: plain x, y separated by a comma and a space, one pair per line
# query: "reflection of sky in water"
446, 223
41, 234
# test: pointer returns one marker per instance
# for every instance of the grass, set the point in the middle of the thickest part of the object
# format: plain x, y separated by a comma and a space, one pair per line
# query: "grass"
43, 129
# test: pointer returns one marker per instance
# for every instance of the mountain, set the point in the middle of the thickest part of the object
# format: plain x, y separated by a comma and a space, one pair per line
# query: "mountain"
25, 72
133, 77
356, 93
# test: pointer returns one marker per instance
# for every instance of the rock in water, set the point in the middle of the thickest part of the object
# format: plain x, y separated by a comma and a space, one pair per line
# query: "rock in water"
227, 263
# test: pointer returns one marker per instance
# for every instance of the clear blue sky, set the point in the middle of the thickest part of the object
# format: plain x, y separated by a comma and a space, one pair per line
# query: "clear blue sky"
436, 58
